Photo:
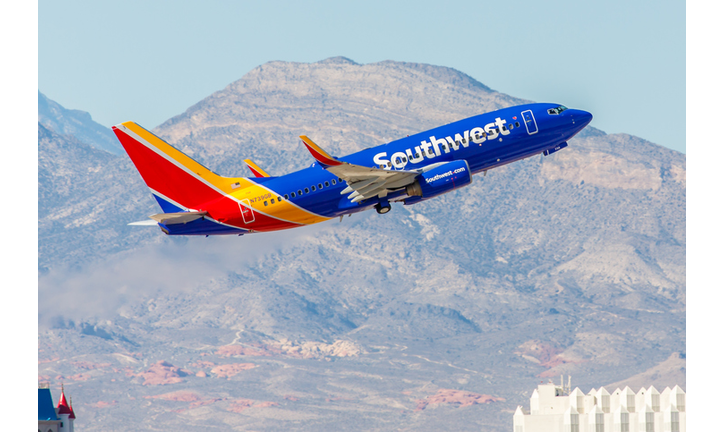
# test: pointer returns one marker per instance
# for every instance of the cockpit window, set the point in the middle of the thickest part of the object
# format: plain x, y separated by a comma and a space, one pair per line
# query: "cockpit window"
557, 110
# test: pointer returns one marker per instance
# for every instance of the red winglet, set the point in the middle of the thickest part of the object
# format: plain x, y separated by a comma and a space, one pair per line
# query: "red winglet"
320, 155
254, 168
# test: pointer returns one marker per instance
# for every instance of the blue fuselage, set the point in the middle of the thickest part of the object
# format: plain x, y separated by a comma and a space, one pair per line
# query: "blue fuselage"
485, 141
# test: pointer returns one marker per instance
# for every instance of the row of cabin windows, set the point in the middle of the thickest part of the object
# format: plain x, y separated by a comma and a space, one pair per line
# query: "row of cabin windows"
299, 192
445, 146
404, 159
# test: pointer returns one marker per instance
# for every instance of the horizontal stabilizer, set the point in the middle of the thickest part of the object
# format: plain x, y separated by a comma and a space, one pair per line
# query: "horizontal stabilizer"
177, 218
144, 223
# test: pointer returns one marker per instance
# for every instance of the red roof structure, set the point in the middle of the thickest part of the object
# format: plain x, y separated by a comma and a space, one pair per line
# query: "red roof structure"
72, 413
63, 407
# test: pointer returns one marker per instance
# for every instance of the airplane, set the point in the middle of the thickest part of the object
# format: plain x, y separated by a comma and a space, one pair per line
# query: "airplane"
410, 170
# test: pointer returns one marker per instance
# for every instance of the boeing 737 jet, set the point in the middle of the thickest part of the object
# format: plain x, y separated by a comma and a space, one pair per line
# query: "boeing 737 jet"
196, 201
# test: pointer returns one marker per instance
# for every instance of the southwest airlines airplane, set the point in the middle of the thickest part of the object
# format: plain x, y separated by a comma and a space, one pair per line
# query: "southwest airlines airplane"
196, 201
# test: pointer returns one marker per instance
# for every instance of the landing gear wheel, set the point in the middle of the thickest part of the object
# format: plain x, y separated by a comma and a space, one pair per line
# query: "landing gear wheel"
383, 209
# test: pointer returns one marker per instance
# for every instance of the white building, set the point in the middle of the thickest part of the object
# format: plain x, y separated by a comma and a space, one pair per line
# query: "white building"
557, 409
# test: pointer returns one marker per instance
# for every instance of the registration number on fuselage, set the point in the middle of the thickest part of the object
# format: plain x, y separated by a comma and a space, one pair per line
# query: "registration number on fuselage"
260, 198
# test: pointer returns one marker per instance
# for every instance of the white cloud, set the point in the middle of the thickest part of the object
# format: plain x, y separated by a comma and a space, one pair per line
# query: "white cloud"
96, 291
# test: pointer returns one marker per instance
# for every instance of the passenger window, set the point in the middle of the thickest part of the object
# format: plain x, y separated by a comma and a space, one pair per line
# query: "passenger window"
294, 195
429, 151
279, 199
306, 190
299, 192
517, 124
286, 196
319, 186
326, 184
313, 188
334, 182
266, 203
272, 200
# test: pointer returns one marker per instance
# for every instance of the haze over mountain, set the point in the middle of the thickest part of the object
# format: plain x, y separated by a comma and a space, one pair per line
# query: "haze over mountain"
441, 315
77, 123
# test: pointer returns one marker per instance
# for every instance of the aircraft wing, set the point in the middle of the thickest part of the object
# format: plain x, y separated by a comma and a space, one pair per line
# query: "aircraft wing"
362, 182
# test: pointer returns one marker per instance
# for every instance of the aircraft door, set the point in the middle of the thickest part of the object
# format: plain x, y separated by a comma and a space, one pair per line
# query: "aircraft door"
246, 211
530, 123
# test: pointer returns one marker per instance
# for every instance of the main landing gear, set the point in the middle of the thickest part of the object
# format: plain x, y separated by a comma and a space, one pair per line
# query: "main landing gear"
383, 208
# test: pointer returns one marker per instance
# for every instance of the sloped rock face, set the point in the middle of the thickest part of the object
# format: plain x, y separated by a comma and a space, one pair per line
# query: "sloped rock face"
568, 264
162, 373
344, 107
457, 398
181, 395
671, 370
229, 370
84, 202
77, 123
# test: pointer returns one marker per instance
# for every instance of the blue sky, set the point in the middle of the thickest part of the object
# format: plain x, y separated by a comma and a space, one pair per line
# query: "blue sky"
147, 61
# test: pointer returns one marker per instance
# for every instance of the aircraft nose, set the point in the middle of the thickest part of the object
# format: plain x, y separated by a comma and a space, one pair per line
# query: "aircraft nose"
581, 118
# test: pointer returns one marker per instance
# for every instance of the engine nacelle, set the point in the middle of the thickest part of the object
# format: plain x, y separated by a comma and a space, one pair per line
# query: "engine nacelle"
439, 180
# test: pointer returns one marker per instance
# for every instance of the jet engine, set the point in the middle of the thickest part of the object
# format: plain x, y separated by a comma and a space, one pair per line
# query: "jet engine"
439, 180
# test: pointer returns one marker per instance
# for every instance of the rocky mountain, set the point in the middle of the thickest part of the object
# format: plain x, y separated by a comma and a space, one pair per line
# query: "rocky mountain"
77, 123
442, 315
84, 202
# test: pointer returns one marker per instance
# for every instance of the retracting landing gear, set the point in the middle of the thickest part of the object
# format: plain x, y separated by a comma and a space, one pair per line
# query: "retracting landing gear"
382, 209
383, 206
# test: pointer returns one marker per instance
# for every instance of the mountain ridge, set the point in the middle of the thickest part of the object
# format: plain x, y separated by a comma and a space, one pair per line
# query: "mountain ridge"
77, 123
568, 264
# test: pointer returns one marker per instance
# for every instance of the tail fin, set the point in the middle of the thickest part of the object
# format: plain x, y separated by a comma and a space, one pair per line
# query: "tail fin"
178, 182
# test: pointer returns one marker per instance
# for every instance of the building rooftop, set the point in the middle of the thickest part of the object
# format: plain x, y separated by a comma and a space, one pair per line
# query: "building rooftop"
63, 407
46, 410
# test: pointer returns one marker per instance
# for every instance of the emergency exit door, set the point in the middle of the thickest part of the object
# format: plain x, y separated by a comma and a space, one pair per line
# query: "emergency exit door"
246, 211
529, 120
